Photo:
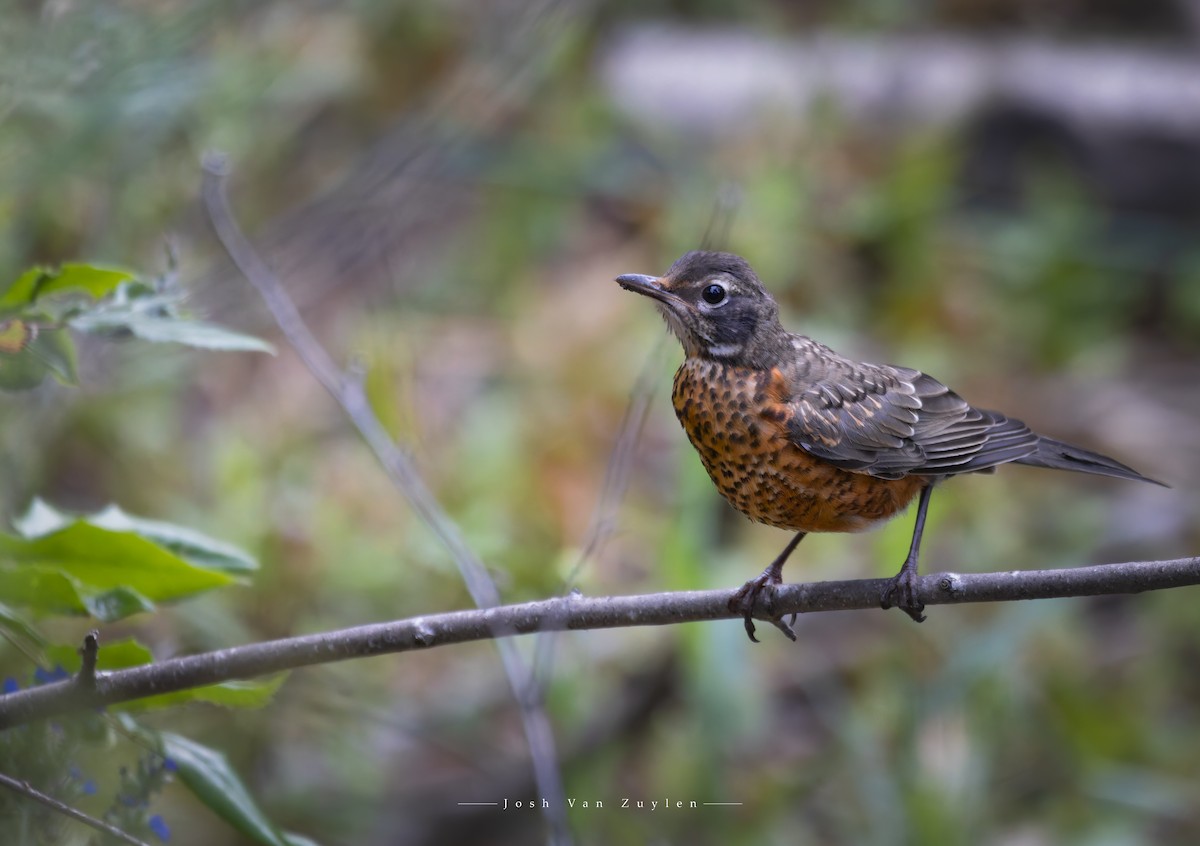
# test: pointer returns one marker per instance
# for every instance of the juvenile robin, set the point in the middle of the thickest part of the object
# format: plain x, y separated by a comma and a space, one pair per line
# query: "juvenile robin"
801, 438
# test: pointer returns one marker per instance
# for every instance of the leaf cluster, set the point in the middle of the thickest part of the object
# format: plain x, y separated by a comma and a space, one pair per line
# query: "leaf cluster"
42, 307
109, 566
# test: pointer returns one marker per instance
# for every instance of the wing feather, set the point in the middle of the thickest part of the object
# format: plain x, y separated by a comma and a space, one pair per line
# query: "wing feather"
891, 422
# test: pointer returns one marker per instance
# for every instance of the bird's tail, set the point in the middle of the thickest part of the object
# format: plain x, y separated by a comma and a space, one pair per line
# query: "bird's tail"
1060, 456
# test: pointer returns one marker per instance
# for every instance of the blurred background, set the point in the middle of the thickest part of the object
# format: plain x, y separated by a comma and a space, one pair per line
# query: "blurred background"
1003, 194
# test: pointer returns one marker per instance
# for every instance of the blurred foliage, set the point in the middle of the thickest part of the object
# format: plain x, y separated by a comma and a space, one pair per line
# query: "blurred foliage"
448, 190
109, 566
39, 307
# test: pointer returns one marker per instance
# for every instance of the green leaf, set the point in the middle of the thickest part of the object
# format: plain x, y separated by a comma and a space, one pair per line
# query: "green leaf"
21, 632
21, 372
50, 351
117, 655
194, 547
23, 289
48, 590
55, 349
207, 773
298, 840
241, 693
96, 282
164, 327
91, 279
45, 590
65, 564
104, 560
42, 519
123, 305
189, 544
107, 322
194, 333
116, 604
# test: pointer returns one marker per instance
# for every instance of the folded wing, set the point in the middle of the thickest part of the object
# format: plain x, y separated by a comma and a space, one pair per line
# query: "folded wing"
891, 422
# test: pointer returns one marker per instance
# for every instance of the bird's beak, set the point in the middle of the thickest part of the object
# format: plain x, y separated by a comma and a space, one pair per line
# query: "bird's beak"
650, 286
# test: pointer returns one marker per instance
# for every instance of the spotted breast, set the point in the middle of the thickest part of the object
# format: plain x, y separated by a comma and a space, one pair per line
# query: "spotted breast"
737, 419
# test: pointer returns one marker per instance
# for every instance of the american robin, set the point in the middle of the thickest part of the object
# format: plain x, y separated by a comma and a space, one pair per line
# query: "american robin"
801, 438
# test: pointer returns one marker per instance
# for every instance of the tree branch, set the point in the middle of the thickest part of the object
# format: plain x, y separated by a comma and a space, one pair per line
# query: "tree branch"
24, 788
574, 613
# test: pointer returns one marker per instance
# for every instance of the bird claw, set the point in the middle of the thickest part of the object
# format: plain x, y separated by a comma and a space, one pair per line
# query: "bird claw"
785, 628
746, 597
901, 592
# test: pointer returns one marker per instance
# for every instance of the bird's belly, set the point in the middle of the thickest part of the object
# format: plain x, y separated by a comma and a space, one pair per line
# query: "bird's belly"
791, 490
744, 445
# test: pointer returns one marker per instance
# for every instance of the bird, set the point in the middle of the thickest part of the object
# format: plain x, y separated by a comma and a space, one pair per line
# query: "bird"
801, 438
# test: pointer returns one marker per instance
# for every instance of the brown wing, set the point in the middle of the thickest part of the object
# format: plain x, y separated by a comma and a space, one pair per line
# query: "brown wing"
891, 422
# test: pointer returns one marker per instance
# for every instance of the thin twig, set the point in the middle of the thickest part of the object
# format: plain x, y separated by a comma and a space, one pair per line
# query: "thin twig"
88, 654
620, 462
725, 205
616, 480
402, 470
25, 789
576, 613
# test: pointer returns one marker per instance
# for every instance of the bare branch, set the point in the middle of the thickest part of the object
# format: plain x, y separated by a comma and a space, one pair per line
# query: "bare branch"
88, 654
25, 789
398, 463
575, 613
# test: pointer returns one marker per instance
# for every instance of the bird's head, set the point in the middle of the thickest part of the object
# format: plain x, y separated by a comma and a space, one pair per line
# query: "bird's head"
716, 306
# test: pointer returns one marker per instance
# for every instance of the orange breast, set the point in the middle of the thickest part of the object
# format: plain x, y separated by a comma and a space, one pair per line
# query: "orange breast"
737, 421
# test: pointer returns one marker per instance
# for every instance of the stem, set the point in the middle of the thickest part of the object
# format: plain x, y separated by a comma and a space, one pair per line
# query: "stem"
574, 613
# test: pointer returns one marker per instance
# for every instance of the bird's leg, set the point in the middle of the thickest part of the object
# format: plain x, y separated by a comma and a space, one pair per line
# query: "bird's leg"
901, 590
743, 601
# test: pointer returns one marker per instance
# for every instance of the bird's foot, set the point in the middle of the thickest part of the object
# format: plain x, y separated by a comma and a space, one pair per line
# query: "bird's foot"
901, 592
746, 597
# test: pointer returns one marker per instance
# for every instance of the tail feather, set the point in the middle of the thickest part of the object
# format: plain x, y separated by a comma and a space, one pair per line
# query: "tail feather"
1062, 456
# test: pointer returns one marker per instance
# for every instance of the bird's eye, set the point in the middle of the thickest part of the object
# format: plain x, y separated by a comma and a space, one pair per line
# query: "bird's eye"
714, 294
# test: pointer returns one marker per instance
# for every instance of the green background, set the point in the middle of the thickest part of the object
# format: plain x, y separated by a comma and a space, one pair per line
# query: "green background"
448, 189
